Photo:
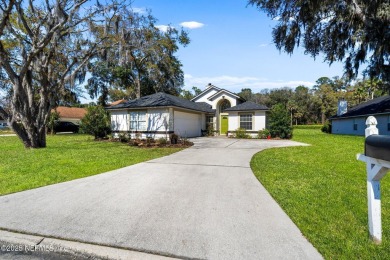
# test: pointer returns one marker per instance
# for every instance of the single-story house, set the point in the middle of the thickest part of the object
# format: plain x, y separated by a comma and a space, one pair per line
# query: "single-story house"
161, 114
353, 121
71, 114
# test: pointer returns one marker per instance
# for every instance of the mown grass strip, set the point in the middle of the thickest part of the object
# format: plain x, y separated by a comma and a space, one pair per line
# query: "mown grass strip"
322, 188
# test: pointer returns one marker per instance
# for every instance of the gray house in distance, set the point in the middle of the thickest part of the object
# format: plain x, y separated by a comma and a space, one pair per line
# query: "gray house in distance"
353, 121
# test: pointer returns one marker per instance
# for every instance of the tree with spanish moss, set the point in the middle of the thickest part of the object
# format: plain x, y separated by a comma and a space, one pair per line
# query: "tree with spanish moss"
355, 32
140, 61
44, 50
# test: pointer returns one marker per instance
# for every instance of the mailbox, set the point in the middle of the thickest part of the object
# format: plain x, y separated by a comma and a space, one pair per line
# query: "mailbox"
378, 146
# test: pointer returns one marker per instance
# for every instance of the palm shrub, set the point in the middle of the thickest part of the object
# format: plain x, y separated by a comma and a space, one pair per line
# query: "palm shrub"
96, 122
280, 124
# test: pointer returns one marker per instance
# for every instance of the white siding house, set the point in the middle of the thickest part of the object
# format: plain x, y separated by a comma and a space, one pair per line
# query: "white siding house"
161, 114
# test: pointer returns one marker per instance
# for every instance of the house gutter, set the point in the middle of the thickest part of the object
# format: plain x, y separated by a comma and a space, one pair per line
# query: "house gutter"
373, 114
141, 108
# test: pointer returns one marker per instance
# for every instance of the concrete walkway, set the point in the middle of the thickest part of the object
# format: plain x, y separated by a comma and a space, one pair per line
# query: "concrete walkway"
203, 203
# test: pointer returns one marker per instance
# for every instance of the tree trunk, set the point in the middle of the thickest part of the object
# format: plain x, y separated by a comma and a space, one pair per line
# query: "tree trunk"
32, 137
323, 118
28, 115
138, 83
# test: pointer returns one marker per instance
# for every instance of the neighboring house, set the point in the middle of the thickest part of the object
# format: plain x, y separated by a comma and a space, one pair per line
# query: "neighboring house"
353, 122
161, 114
71, 114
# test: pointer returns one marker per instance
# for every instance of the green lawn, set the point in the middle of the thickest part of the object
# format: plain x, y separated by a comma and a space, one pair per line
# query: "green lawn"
66, 157
323, 189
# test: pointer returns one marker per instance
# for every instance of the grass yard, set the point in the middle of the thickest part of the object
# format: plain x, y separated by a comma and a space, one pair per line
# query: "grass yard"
323, 189
66, 157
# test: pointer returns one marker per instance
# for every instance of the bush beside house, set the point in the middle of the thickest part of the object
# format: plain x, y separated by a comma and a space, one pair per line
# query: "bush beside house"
279, 123
96, 122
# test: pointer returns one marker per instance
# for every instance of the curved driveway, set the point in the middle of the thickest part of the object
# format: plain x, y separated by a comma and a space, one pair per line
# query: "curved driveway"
203, 202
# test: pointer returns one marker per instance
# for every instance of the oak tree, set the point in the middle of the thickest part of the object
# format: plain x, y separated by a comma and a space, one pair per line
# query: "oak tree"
141, 59
44, 49
351, 31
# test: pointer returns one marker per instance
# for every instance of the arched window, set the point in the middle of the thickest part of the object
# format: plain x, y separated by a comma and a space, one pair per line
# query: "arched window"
224, 105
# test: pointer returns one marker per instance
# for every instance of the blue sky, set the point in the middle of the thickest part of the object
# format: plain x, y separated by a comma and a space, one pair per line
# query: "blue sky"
231, 46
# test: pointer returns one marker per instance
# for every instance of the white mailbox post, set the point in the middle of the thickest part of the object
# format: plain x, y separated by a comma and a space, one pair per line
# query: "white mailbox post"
376, 170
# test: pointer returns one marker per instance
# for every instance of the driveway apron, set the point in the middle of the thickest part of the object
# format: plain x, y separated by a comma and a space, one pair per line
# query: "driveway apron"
203, 203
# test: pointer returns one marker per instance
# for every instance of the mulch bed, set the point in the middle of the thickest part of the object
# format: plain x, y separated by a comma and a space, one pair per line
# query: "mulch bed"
151, 143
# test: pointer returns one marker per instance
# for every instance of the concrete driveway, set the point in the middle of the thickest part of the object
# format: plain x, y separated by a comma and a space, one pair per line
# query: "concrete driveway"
203, 202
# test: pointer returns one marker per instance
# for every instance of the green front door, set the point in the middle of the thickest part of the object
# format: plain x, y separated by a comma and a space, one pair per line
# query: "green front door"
224, 124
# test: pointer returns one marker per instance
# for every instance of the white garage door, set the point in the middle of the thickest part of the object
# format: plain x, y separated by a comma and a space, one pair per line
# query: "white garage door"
187, 124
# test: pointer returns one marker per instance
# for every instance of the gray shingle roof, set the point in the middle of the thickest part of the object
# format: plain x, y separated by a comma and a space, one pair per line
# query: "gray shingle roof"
247, 106
164, 100
372, 107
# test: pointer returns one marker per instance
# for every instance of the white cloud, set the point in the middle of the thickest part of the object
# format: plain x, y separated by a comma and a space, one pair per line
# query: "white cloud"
278, 18
235, 84
192, 25
263, 45
139, 10
163, 28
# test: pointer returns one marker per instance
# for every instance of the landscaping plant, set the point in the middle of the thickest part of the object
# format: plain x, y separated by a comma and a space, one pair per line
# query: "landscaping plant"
263, 134
279, 122
96, 122
53, 121
241, 133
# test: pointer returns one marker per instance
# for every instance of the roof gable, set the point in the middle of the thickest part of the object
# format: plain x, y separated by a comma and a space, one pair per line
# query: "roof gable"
209, 88
226, 92
375, 106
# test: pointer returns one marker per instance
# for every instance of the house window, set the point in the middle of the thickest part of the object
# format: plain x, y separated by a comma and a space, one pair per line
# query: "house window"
246, 121
355, 126
138, 121
224, 105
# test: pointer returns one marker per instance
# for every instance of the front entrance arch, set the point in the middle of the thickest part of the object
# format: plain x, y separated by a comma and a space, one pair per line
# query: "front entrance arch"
224, 104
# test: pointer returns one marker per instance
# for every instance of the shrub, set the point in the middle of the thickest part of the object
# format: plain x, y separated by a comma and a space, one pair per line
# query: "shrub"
280, 125
149, 140
241, 133
174, 138
96, 122
162, 141
53, 121
124, 138
327, 127
210, 129
263, 134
